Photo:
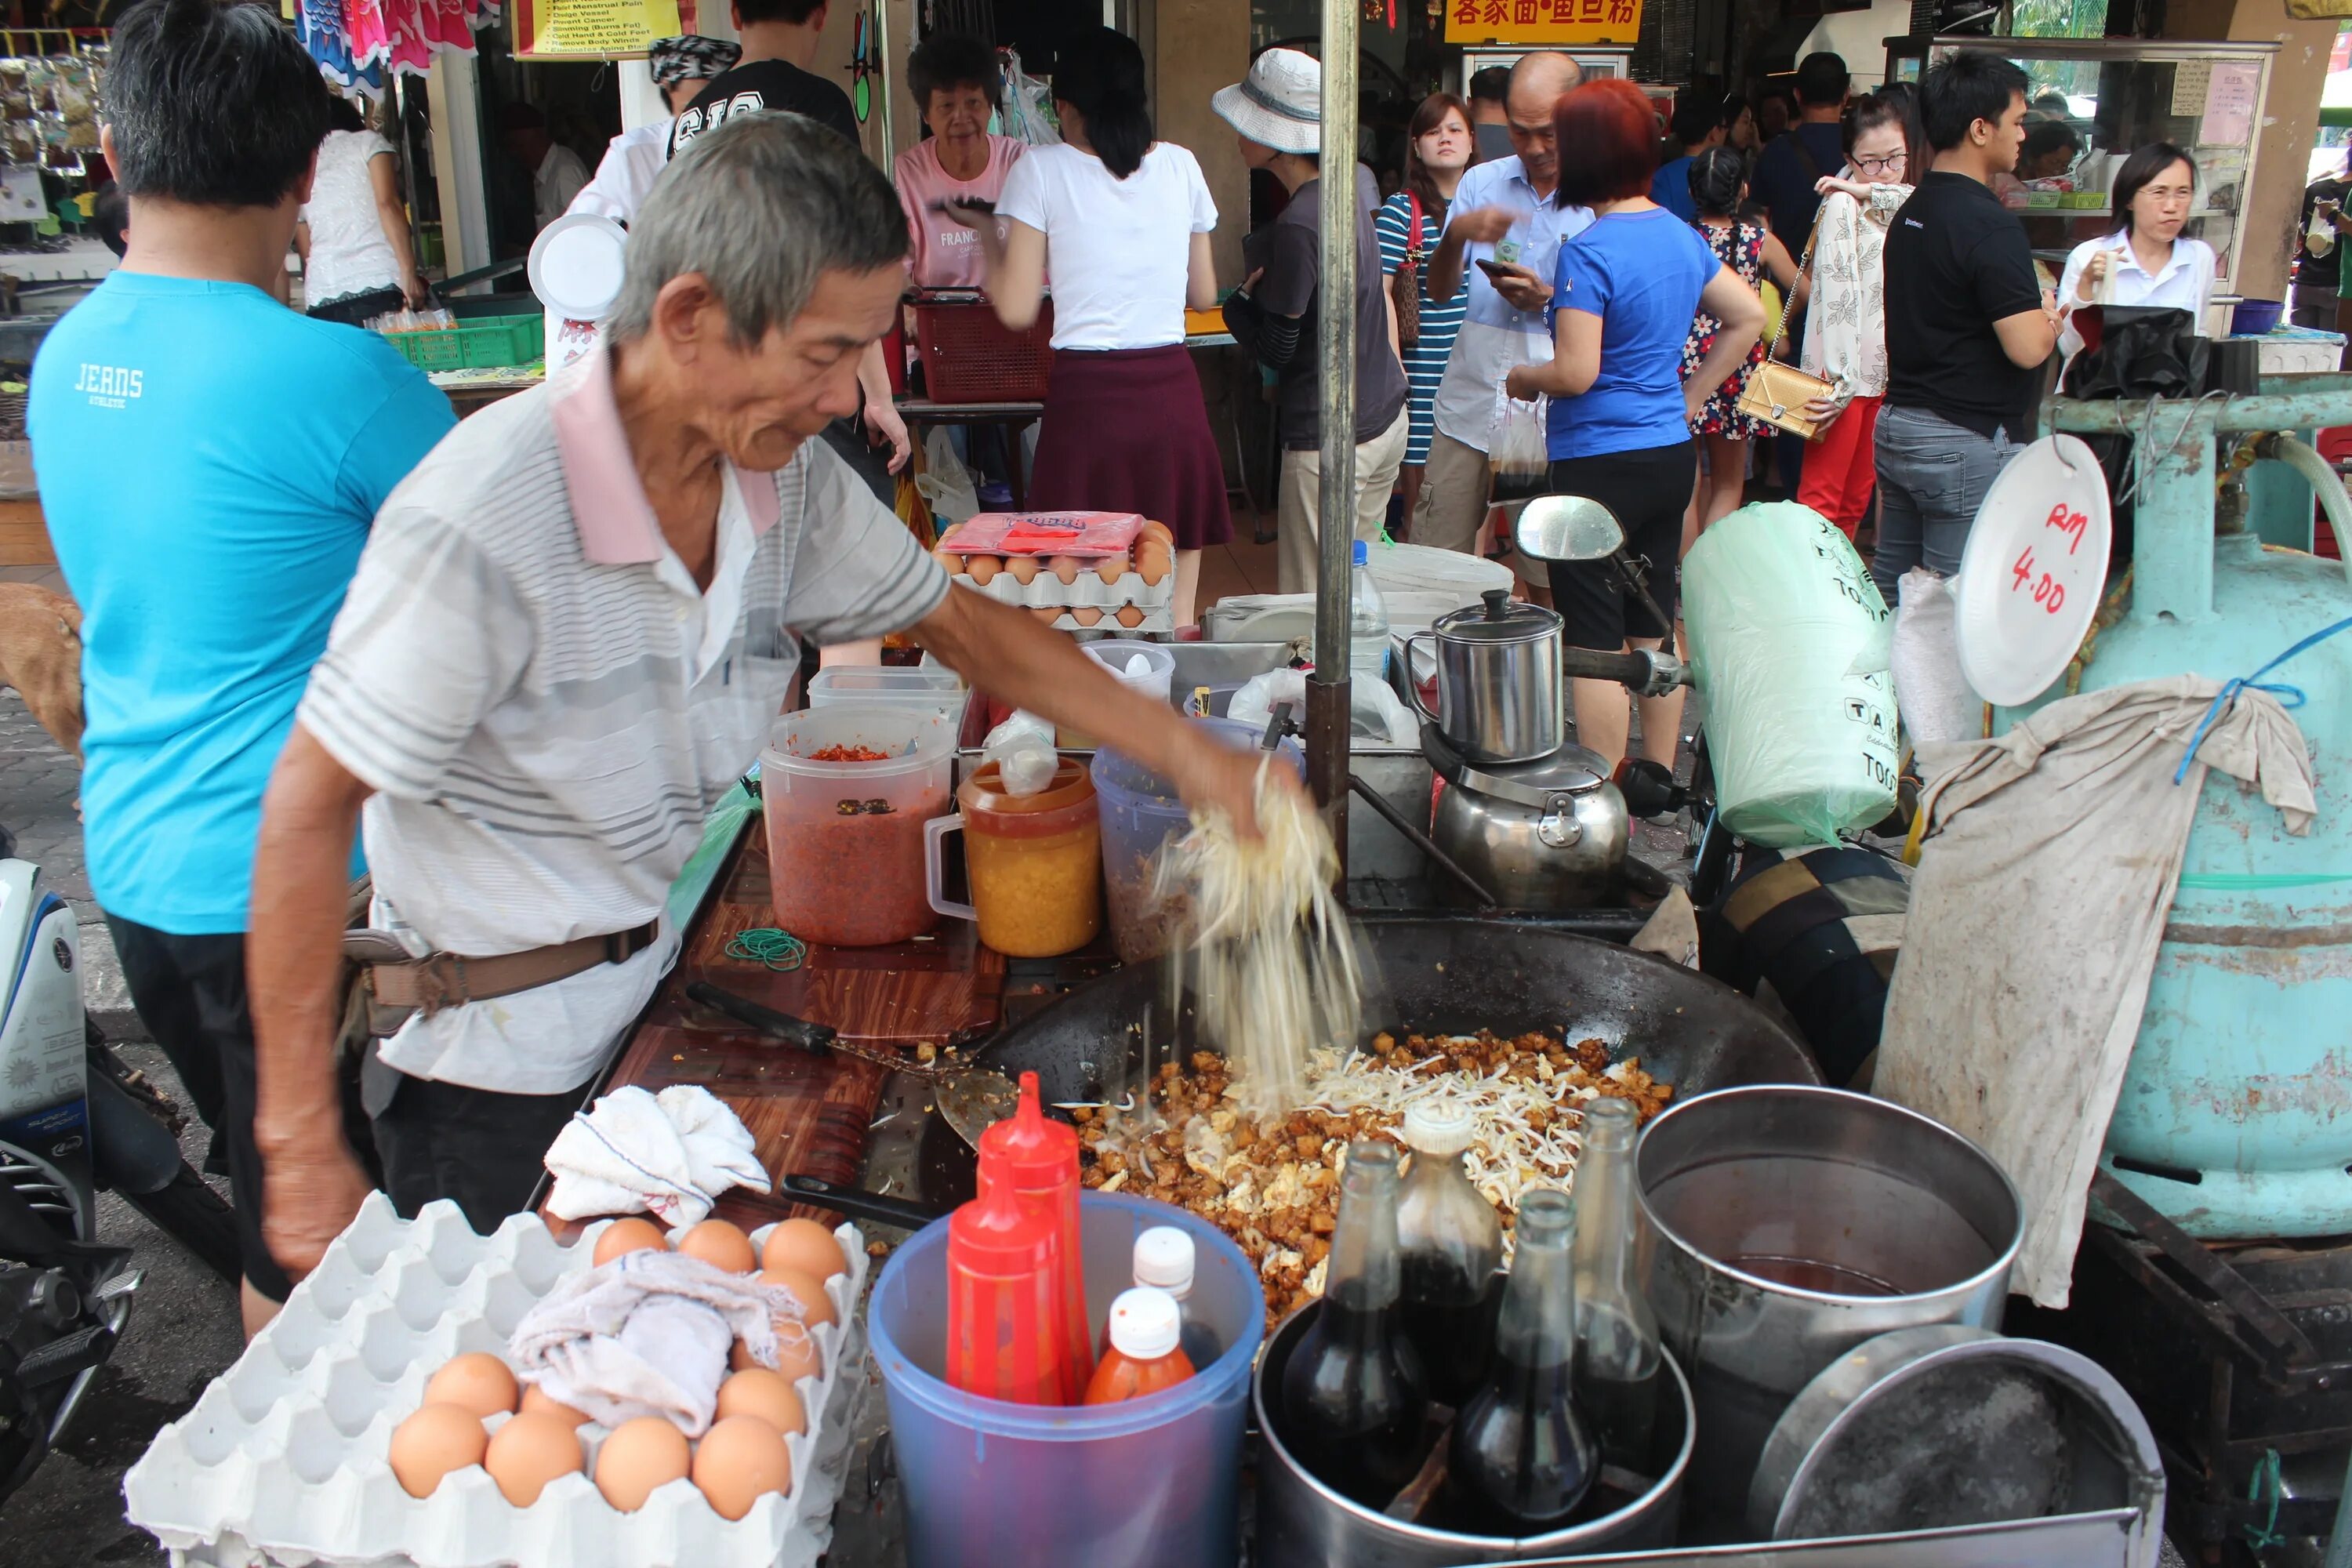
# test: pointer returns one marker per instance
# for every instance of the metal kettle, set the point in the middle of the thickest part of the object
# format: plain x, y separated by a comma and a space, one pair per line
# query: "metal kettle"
1500, 694
1547, 835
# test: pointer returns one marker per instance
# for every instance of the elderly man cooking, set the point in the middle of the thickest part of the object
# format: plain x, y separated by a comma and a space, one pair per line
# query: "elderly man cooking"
568, 636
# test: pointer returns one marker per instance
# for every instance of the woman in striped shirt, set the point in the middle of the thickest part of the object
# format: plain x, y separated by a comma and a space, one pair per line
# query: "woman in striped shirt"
1410, 223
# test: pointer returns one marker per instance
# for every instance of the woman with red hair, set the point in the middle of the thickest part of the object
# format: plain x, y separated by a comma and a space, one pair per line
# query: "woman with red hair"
1623, 300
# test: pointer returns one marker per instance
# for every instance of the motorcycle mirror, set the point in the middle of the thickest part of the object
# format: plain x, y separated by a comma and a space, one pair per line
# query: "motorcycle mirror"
1567, 528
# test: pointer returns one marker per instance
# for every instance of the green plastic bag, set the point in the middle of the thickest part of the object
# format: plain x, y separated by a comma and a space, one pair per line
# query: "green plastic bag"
1789, 644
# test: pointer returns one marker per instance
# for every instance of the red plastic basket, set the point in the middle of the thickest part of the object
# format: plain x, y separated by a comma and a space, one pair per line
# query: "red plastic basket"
970, 356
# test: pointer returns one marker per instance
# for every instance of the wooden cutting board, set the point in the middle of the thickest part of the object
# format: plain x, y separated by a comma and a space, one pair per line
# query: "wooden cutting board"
811, 1116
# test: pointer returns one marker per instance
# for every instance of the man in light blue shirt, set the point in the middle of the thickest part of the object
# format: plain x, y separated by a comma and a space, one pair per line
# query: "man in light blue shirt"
1505, 234
209, 463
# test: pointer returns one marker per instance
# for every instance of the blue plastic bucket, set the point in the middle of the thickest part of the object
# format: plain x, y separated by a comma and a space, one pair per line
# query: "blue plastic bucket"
1144, 1483
2252, 317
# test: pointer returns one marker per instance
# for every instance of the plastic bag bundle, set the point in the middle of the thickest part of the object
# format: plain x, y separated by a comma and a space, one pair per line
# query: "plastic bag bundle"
1518, 453
1028, 112
1931, 690
946, 485
1789, 645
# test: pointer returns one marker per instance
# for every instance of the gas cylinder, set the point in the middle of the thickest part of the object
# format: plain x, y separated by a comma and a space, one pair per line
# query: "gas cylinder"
2235, 1116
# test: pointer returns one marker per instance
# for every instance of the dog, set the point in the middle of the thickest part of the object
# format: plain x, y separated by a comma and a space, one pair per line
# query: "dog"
40, 656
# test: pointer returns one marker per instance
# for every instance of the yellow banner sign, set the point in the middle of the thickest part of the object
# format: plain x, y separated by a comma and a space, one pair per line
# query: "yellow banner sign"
593, 29
1542, 21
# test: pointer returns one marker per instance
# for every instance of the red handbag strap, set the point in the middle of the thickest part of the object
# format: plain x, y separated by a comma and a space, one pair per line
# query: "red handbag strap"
1414, 241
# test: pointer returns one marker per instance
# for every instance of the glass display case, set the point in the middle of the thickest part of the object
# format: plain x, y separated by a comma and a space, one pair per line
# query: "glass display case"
2096, 99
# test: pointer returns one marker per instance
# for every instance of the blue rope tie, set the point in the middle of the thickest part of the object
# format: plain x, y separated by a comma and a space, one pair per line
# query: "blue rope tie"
2288, 696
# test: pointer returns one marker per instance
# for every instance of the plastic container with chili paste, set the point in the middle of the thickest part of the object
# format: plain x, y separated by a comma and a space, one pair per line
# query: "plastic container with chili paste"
846, 792
1034, 862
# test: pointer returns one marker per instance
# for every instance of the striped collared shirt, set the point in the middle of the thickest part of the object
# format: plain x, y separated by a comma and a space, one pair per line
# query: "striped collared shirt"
548, 708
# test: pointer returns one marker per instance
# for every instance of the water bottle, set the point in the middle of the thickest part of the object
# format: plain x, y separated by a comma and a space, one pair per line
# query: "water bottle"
1367, 620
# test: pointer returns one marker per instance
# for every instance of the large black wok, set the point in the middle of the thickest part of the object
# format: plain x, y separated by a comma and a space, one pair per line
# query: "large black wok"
1425, 977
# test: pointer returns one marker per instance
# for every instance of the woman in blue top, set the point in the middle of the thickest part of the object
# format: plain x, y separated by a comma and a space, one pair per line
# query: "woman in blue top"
1623, 300
1438, 147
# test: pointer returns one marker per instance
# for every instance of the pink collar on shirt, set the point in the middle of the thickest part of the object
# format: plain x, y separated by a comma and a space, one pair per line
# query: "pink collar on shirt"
616, 522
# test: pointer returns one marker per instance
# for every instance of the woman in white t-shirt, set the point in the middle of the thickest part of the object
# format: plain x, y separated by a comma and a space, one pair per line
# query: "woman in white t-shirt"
357, 262
1124, 222
2145, 261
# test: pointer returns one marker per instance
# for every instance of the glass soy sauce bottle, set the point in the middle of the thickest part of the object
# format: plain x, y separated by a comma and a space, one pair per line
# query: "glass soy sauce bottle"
1617, 1363
1522, 1455
1352, 1394
1451, 1246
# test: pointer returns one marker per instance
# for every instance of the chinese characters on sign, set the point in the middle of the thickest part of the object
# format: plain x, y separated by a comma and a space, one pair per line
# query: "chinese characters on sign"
1542, 21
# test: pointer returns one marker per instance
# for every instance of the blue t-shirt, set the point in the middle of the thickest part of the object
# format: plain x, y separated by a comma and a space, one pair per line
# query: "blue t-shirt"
209, 464
1670, 188
1641, 274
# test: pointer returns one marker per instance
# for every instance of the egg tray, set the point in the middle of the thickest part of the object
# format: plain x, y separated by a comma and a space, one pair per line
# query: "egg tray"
282, 1461
1046, 592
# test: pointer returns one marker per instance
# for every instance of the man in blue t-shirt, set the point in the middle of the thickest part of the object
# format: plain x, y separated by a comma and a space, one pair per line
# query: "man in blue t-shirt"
1788, 171
209, 464
1698, 125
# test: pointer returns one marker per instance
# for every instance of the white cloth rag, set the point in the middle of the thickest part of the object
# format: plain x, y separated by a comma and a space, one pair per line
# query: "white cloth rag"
2051, 859
669, 1156
648, 1334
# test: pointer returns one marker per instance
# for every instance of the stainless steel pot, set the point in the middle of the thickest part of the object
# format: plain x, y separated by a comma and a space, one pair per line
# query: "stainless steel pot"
1302, 1523
1792, 1224
1499, 697
1547, 835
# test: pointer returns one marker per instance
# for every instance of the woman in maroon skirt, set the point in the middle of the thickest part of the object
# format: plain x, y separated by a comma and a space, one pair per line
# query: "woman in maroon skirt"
1122, 221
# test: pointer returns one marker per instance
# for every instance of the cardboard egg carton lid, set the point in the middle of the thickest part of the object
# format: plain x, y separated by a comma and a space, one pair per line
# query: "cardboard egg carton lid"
1089, 592
282, 1461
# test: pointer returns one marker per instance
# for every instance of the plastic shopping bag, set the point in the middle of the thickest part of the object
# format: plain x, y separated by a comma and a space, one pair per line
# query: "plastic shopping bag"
947, 485
1519, 452
1028, 112
1789, 645
1930, 689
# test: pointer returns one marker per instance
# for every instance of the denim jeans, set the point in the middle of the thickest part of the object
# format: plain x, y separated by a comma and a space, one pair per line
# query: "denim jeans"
1932, 476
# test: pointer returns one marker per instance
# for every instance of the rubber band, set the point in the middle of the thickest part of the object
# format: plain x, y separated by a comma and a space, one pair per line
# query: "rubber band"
764, 944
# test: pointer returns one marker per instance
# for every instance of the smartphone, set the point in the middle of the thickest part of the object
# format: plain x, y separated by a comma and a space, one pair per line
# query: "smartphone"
975, 203
1499, 272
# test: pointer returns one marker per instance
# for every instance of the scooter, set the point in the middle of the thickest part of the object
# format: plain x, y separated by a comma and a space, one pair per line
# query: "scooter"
74, 1119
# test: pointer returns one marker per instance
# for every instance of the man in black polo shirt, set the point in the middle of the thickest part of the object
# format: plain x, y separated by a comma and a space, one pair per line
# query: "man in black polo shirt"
1968, 323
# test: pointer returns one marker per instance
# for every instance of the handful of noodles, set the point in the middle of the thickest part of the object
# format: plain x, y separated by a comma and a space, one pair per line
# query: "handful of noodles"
1275, 971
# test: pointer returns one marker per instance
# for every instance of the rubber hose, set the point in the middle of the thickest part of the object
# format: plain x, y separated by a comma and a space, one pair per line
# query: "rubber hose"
2326, 484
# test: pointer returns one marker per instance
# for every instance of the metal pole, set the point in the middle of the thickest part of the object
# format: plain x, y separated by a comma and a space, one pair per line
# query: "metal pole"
1328, 701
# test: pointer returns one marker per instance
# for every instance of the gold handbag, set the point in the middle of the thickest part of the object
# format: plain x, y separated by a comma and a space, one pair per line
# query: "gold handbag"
1777, 392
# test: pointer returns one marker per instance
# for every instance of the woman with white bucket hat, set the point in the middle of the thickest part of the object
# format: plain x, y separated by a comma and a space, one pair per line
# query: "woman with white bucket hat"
1279, 113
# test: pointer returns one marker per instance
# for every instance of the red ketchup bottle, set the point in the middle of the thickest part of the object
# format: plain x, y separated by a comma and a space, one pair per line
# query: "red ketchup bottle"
1037, 1157
1006, 1339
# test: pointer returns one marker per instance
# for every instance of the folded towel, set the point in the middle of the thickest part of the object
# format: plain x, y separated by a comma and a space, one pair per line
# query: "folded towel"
648, 1334
669, 1156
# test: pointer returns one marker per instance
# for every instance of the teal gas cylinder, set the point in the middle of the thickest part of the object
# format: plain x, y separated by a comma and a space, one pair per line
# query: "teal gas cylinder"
2236, 1118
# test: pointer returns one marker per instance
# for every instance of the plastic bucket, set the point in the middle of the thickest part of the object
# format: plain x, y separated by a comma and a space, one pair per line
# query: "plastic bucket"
1151, 1482
846, 839
2252, 317
1141, 811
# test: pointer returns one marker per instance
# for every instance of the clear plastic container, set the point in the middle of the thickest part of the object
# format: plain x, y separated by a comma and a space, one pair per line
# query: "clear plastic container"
931, 687
846, 838
1145, 1483
1033, 862
1155, 682
1141, 811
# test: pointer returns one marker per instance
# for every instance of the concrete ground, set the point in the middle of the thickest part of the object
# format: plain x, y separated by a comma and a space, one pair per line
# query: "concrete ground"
183, 1328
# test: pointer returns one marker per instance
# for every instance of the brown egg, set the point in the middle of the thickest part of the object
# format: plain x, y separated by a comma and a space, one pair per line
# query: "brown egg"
1066, 567
721, 1245
536, 1403
1046, 614
804, 1245
764, 1394
1130, 617
797, 1355
740, 1459
1152, 561
639, 1458
1022, 567
1110, 569
806, 1288
947, 559
1086, 616
983, 569
529, 1451
436, 1440
628, 1236
739, 1359
1158, 531
478, 1382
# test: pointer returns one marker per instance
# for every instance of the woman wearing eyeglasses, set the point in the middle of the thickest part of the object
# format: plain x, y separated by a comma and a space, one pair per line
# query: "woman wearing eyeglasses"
2145, 261
1845, 329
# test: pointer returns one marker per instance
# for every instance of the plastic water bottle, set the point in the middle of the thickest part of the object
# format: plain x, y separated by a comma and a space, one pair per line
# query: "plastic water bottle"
1367, 620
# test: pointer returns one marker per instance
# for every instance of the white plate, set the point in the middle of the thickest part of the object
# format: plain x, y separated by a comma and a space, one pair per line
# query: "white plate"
575, 265
2035, 565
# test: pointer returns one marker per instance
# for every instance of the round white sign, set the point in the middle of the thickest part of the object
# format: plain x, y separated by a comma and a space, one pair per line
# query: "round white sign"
2035, 565
575, 265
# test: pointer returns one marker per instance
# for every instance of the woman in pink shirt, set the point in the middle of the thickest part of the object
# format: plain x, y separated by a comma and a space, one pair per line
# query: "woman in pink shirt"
957, 85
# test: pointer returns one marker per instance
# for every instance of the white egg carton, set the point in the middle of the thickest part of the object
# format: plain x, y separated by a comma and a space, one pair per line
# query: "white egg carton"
1089, 591
282, 1461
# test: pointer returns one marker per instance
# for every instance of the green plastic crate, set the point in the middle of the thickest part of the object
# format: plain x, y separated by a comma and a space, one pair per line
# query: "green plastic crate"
485, 343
